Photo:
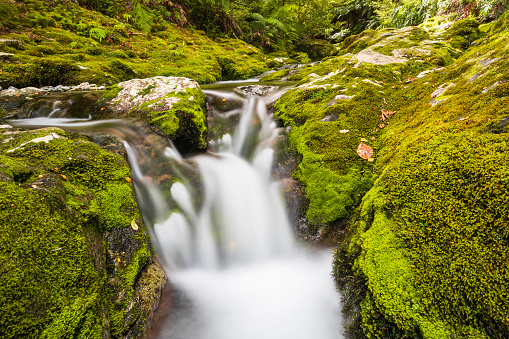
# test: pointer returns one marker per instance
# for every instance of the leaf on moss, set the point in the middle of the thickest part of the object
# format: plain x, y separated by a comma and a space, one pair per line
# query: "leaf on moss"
364, 151
134, 225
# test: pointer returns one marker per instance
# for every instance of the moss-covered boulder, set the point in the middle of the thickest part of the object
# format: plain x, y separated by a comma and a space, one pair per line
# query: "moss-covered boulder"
175, 106
75, 255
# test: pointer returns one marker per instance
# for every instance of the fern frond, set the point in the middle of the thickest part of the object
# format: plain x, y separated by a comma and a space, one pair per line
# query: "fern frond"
277, 24
143, 17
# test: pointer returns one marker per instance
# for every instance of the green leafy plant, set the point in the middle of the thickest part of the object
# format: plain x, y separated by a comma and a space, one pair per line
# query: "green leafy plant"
73, 44
98, 33
127, 17
81, 27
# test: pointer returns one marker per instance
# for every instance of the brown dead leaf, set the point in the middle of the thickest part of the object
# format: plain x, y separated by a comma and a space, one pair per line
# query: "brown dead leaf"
364, 151
381, 125
63, 176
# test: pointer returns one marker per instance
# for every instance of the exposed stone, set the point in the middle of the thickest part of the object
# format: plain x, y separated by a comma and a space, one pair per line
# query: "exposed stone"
13, 91
409, 52
371, 82
256, 90
486, 62
340, 97
375, 58
44, 139
493, 86
330, 117
12, 43
424, 73
138, 91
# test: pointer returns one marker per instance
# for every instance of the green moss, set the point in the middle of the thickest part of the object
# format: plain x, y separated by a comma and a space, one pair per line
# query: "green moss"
418, 34
433, 228
56, 199
467, 28
129, 275
428, 247
275, 75
116, 206
43, 254
185, 123
67, 39
110, 93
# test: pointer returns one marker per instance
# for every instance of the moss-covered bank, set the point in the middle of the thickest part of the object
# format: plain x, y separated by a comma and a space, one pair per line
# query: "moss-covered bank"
75, 255
58, 42
428, 252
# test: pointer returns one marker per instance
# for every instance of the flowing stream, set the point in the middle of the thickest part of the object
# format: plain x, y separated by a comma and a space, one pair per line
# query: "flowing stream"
221, 231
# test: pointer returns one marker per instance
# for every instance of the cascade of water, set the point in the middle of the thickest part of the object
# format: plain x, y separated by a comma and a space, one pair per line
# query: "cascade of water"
243, 275
227, 245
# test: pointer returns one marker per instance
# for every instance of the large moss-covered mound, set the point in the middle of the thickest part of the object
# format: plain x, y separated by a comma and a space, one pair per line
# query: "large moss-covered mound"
58, 42
75, 255
428, 251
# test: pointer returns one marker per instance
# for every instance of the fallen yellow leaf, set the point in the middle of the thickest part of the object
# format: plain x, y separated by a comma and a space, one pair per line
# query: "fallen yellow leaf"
134, 225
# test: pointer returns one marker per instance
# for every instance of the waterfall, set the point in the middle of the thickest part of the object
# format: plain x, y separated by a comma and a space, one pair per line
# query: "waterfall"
222, 234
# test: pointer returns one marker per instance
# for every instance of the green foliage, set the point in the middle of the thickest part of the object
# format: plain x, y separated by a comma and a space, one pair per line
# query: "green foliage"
142, 16
98, 33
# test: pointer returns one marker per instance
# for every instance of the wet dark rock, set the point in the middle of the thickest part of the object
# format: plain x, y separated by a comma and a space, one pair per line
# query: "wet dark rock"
32, 104
225, 105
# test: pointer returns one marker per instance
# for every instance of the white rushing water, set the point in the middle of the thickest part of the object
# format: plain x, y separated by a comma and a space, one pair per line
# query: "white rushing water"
234, 263
236, 269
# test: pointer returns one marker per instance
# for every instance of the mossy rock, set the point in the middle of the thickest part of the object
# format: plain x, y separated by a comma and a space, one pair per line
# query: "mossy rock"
73, 262
174, 106
463, 32
278, 75
429, 240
